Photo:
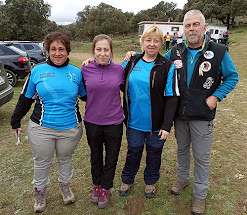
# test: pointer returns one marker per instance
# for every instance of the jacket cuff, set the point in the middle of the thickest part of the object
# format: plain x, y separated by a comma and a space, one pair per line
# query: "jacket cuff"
166, 127
15, 125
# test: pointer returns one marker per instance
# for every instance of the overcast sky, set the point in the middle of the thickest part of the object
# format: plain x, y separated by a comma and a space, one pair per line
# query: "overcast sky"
64, 11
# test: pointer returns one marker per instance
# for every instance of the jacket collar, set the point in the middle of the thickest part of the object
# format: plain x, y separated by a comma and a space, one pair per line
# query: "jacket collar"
204, 45
136, 58
49, 62
96, 63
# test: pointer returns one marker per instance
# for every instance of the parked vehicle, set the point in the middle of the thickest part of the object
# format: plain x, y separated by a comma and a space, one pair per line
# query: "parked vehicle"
16, 62
34, 49
6, 90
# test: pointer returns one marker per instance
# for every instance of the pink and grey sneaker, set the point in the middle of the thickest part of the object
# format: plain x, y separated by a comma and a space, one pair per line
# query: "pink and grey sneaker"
96, 194
104, 198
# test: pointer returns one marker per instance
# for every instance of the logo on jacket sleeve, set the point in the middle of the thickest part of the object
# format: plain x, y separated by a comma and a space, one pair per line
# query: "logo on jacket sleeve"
208, 83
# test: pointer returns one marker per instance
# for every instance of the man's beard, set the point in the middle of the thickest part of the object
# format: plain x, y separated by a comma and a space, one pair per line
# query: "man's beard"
195, 39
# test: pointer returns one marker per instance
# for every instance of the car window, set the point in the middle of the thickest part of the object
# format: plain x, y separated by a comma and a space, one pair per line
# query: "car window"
28, 47
1, 51
17, 51
8, 51
17, 46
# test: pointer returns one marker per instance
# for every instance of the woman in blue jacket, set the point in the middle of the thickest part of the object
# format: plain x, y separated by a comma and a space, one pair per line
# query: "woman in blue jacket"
150, 101
55, 125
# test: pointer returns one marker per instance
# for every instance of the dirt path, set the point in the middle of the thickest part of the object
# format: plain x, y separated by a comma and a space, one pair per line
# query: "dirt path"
84, 56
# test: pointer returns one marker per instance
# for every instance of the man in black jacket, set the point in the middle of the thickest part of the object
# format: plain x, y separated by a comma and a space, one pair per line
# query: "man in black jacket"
201, 64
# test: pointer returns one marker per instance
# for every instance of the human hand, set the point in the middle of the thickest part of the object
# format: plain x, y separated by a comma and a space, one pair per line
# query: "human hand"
163, 134
16, 134
87, 62
128, 55
212, 102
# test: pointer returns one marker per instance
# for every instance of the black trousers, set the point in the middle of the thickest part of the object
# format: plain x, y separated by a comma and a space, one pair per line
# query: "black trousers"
167, 45
99, 136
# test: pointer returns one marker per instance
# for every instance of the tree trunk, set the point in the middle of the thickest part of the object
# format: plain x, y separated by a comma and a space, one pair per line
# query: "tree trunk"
228, 21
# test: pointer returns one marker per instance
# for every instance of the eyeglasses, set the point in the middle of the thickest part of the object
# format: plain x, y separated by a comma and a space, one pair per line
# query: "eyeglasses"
195, 25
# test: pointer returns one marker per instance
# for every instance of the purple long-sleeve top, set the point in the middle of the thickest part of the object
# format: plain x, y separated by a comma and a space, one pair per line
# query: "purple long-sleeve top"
103, 105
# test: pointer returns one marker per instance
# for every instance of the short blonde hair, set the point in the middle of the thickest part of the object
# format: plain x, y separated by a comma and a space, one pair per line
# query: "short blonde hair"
152, 29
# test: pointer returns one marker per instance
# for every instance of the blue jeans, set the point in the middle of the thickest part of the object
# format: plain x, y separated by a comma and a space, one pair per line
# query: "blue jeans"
136, 140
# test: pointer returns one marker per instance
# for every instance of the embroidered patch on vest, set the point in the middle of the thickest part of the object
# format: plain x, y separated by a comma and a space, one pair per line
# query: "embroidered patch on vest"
208, 83
178, 64
204, 67
178, 53
208, 54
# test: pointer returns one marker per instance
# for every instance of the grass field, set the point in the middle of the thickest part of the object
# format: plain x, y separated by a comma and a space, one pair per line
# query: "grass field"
228, 191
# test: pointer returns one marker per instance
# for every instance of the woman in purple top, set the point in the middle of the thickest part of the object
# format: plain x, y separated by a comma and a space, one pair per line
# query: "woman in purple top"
104, 116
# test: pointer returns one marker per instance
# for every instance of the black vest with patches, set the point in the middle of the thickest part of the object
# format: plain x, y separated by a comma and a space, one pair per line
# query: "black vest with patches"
192, 101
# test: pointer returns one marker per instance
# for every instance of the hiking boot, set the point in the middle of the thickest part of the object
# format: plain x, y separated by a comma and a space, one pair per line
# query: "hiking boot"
178, 187
125, 189
150, 191
198, 206
104, 198
40, 200
67, 194
96, 194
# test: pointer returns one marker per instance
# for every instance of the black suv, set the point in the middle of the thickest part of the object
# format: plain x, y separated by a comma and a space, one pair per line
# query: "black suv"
34, 50
16, 62
6, 90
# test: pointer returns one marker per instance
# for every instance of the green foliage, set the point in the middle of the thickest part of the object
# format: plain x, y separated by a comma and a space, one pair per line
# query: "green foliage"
163, 11
223, 10
105, 19
109, 20
24, 19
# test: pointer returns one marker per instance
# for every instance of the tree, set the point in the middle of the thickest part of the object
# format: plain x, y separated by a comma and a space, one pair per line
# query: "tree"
105, 19
80, 22
140, 16
25, 19
163, 12
223, 10
82, 15
4, 20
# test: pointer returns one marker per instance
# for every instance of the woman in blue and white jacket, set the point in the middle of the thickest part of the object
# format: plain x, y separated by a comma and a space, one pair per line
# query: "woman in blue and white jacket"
55, 124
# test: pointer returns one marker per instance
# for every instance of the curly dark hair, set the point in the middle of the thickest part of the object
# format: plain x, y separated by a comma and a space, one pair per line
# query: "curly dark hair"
57, 36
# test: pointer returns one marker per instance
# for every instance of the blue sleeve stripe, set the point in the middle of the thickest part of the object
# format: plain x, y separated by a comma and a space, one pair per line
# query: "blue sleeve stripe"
171, 88
124, 64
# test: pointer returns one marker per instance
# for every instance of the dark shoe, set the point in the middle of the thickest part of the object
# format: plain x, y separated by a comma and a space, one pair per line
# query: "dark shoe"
96, 194
125, 189
104, 198
40, 200
178, 187
67, 194
198, 206
150, 191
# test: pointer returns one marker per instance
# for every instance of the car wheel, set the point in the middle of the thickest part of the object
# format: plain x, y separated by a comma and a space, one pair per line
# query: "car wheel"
11, 77
33, 63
